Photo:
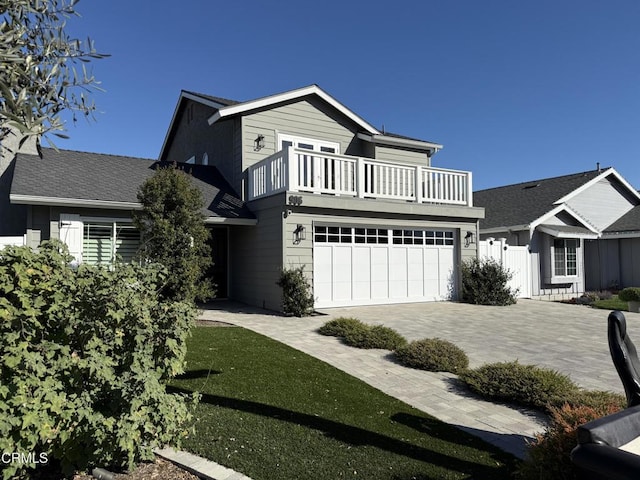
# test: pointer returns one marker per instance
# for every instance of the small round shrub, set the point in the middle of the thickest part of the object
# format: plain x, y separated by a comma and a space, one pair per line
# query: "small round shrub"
549, 454
433, 354
339, 327
526, 385
629, 294
376, 336
486, 282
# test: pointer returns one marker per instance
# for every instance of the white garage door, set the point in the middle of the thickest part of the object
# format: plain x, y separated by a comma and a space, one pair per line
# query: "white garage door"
367, 266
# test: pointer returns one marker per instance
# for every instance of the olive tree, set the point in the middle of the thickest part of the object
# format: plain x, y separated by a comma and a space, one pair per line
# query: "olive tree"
174, 234
43, 70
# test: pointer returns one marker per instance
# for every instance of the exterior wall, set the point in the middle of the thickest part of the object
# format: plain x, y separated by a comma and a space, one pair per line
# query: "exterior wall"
403, 155
194, 137
255, 257
309, 118
602, 203
13, 218
44, 222
612, 263
541, 271
302, 253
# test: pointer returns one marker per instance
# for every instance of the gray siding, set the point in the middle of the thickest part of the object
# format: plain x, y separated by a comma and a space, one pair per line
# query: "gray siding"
194, 137
612, 263
305, 118
602, 203
256, 258
401, 155
541, 270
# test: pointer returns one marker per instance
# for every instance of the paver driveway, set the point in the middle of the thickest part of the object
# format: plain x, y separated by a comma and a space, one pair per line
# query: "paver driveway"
568, 338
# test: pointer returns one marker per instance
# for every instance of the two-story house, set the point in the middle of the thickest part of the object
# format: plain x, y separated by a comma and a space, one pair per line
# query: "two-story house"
291, 179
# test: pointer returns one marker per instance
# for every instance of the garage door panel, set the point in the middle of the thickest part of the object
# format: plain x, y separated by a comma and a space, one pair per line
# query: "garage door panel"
379, 273
398, 273
342, 267
322, 274
361, 273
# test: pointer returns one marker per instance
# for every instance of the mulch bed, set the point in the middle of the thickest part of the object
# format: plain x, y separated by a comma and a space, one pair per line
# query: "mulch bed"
159, 470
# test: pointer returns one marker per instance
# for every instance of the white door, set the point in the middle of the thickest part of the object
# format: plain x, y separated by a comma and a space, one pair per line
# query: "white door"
516, 259
368, 266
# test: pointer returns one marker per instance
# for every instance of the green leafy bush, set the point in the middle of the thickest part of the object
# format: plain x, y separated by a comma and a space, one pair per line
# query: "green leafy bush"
526, 385
174, 234
548, 456
433, 354
376, 336
629, 294
339, 327
83, 359
486, 282
297, 298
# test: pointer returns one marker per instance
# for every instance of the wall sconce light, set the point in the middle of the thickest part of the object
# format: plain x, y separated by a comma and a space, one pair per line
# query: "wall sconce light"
299, 234
469, 239
258, 143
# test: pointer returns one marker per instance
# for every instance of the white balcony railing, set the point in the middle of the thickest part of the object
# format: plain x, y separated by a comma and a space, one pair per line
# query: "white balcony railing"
300, 170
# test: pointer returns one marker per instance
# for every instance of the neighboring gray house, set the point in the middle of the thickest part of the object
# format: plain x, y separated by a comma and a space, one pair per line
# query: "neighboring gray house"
294, 179
582, 230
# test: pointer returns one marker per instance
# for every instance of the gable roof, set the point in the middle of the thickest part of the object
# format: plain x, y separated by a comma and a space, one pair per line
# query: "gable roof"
291, 95
628, 223
93, 180
519, 205
225, 108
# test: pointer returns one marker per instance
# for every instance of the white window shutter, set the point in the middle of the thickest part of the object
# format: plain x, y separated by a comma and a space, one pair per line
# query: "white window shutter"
71, 229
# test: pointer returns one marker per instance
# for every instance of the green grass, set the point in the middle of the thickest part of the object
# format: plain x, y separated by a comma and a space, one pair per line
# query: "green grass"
611, 304
270, 411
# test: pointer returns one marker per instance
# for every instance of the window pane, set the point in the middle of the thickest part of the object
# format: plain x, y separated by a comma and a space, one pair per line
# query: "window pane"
127, 243
97, 247
559, 257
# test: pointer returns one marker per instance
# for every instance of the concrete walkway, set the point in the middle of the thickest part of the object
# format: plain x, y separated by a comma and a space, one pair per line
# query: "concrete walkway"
568, 338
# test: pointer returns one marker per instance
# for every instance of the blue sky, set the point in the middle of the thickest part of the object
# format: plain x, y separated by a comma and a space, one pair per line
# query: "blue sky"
514, 90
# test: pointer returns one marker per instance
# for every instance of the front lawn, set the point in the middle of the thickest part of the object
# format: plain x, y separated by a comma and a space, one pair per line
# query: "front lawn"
613, 303
270, 411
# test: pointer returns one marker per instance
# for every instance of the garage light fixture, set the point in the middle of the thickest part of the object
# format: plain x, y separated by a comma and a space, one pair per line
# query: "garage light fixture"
469, 239
299, 234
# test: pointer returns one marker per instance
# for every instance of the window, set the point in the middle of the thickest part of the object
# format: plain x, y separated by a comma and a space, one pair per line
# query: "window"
105, 242
308, 144
565, 257
422, 237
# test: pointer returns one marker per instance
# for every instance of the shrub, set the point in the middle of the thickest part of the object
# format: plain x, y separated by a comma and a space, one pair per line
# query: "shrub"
339, 327
83, 359
526, 385
629, 294
376, 336
433, 354
485, 282
548, 455
174, 234
297, 298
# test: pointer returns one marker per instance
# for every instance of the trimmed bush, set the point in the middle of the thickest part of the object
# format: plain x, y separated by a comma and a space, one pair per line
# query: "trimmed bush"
297, 299
339, 327
548, 456
485, 282
526, 385
629, 294
376, 336
83, 361
433, 354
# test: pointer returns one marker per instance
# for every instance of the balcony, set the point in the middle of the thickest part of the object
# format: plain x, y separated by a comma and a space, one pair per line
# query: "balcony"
299, 170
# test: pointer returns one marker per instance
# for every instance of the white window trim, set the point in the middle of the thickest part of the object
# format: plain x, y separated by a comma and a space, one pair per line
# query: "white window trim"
114, 221
294, 139
564, 278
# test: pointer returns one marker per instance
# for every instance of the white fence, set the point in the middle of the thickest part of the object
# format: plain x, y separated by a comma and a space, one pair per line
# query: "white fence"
516, 259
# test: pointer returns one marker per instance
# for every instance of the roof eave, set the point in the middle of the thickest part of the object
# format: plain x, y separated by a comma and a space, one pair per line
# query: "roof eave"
605, 173
72, 202
264, 102
400, 142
